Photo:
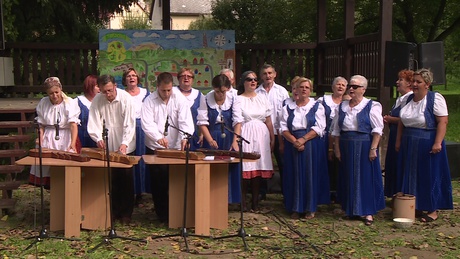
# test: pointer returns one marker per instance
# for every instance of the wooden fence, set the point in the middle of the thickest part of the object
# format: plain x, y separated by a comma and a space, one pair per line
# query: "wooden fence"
33, 62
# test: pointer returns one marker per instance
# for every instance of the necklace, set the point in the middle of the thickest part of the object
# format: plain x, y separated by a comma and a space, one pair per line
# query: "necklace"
185, 91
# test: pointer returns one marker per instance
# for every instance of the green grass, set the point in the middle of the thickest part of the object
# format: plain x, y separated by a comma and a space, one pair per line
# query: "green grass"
325, 236
451, 93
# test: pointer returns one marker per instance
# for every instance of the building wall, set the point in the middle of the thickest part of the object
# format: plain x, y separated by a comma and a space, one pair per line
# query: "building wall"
182, 22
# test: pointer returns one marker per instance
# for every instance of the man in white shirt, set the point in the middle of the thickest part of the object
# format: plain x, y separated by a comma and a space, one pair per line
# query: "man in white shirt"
276, 94
163, 107
114, 109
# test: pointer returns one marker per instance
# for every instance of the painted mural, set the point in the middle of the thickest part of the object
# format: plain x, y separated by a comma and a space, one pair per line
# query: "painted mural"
152, 52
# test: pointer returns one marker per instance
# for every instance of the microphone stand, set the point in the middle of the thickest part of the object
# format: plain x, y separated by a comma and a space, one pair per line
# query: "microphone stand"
183, 231
112, 234
43, 232
241, 232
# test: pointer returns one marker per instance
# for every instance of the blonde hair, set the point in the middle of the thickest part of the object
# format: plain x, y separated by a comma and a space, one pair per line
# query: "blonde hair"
426, 74
303, 79
53, 81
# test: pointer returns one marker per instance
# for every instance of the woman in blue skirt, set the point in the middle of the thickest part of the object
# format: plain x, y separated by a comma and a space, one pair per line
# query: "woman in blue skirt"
90, 89
420, 140
131, 80
195, 99
393, 180
221, 113
305, 178
357, 129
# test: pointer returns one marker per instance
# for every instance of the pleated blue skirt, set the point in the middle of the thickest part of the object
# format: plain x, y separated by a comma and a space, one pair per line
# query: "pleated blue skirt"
426, 175
393, 176
234, 172
360, 180
305, 176
141, 178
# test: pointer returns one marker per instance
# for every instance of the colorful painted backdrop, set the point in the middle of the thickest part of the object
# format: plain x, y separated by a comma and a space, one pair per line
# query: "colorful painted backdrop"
151, 52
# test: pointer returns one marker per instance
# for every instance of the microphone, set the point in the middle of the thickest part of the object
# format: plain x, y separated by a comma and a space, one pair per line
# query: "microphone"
165, 132
222, 130
56, 126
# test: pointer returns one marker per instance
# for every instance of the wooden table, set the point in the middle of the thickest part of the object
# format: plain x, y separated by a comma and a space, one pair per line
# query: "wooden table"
78, 195
207, 192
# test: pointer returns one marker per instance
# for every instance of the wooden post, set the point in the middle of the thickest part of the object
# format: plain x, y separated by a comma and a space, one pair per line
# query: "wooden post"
383, 95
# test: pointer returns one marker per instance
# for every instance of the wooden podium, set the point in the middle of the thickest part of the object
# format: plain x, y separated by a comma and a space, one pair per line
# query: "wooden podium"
207, 196
78, 194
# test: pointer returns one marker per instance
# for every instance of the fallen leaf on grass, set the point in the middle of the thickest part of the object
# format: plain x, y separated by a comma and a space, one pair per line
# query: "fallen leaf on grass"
4, 218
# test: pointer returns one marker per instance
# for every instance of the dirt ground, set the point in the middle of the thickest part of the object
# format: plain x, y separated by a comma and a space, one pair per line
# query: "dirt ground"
328, 235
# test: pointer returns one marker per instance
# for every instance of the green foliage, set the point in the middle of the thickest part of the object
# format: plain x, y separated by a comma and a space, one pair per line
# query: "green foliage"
204, 23
135, 22
266, 21
59, 20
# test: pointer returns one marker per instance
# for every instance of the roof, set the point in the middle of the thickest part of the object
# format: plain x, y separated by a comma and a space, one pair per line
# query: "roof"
191, 6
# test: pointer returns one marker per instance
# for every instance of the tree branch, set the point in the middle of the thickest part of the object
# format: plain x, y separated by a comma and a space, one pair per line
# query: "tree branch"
436, 20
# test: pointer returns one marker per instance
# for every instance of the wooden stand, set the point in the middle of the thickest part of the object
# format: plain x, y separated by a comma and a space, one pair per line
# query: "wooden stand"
207, 184
78, 195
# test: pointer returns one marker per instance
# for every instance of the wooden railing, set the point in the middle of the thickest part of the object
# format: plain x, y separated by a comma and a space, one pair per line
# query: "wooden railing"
358, 55
289, 60
33, 62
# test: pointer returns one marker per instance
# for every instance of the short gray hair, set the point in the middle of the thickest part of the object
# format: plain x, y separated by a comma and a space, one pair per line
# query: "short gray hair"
337, 79
361, 79
228, 70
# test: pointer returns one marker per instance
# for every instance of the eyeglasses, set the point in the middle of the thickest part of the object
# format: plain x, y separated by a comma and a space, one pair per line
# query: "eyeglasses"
250, 79
355, 86
186, 76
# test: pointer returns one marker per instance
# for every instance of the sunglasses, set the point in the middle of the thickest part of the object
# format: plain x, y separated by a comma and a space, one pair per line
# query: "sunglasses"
186, 76
249, 79
355, 86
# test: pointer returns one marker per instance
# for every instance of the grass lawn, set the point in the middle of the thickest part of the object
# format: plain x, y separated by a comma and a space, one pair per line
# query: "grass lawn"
325, 236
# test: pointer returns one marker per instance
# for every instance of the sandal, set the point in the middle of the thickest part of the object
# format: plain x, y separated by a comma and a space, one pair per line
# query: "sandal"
309, 215
427, 219
368, 222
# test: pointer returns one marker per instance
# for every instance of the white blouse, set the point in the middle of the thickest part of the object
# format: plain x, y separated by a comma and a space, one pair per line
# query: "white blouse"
138, 99
412, 115
328, 100
402, 100
84, 101
300, 121
211, 101
255, 108
350, 122
191, 97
